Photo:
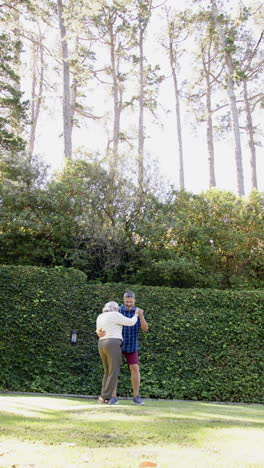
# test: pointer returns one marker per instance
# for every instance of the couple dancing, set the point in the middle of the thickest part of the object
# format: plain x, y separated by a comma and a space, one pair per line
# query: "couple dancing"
118, 329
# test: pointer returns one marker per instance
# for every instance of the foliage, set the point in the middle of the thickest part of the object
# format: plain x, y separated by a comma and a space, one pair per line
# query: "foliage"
38, 310
113, 231
22, 172
13, 110
202, 344
210, 240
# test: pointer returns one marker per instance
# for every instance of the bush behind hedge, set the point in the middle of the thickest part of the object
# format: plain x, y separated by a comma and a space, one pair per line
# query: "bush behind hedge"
202, 344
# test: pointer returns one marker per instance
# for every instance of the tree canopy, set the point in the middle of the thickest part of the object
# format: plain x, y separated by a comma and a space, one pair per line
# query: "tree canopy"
114, 231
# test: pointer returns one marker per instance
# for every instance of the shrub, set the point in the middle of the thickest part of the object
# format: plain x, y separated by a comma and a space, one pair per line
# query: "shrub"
202, 344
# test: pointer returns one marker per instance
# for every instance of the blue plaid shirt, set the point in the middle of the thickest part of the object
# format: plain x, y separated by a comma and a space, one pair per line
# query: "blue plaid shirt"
130, 334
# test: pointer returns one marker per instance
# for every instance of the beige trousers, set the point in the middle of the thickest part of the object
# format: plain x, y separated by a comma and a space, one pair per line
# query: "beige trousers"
111, 356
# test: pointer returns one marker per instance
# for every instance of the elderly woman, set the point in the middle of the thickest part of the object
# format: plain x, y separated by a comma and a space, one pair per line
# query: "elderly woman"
109, 347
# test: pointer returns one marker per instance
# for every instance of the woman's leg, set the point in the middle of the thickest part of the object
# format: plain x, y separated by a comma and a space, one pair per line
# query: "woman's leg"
112, 349
104, 359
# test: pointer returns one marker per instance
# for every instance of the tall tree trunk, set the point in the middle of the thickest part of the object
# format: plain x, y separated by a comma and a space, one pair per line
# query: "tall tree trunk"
74, 91
67, 124
235, 120
210, 143
251, 142
178, 114
16, 124
74, 87
141, 109
232, 100
117, 94
36, 96
144, 12
209, 130
17, 56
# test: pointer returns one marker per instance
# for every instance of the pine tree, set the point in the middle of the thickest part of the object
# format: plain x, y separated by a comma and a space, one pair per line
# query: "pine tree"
12, 108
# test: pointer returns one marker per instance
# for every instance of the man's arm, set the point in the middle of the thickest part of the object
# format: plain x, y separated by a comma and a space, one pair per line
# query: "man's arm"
100, 333
143, 323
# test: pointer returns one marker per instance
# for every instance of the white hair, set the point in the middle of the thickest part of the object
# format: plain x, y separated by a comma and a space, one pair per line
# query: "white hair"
111, 306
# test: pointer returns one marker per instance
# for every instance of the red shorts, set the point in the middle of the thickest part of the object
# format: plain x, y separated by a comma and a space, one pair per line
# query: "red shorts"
131, 358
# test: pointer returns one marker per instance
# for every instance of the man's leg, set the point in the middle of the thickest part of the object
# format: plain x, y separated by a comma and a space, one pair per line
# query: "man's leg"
114, 392
133, 363
135, 378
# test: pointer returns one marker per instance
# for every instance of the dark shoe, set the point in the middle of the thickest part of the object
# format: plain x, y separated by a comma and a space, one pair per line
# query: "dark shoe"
113, 401
138, 401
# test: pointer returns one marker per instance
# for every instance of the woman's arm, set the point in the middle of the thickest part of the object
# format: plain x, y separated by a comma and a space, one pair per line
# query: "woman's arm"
127, 322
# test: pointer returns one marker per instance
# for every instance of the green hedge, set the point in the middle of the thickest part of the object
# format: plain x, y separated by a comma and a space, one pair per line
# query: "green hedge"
202, 344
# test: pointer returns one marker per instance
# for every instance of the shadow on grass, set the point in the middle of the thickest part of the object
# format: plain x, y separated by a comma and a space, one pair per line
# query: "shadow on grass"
94, 425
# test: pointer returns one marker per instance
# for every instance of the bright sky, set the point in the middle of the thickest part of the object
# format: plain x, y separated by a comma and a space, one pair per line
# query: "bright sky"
162, 141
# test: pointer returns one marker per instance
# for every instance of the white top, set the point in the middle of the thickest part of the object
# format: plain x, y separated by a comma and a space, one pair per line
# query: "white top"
112, 322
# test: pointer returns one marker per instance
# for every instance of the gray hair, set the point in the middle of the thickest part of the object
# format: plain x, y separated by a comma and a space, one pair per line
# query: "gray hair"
129, 294
111, 306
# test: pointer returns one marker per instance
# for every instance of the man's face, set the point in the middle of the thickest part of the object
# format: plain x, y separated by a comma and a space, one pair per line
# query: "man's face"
129, 302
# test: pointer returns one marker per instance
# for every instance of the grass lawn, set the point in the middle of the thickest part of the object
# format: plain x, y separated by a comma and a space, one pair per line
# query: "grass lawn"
40, 431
